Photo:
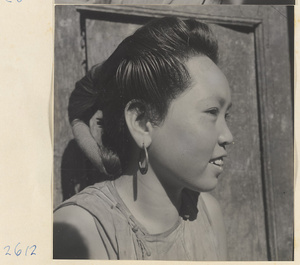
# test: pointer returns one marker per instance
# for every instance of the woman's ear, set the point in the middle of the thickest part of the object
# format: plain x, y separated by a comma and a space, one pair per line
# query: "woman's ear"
138, 123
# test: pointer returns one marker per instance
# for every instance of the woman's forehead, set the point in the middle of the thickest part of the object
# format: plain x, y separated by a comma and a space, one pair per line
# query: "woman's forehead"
203, 66
204, 72
208, 87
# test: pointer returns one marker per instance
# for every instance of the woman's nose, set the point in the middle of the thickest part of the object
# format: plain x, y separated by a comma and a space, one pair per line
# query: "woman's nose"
225, 137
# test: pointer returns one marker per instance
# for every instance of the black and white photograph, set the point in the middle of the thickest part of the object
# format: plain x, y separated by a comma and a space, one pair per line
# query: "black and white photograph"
179, 2
173, 132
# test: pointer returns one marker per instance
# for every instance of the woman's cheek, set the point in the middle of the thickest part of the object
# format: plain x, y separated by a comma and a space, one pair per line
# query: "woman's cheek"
198, 143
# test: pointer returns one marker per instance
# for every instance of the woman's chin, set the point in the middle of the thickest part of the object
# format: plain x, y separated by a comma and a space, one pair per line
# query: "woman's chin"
204, 187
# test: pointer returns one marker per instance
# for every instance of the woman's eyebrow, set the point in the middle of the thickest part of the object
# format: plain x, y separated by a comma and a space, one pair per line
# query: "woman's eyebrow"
217, 99
222, 102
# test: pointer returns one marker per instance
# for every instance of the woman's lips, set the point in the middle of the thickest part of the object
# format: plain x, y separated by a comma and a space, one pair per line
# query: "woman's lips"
217, 163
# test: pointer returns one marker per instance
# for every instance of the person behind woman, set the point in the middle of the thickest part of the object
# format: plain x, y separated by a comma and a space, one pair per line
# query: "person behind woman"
163, 106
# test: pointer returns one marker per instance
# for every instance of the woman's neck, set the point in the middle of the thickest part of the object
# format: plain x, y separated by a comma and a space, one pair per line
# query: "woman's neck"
149, 202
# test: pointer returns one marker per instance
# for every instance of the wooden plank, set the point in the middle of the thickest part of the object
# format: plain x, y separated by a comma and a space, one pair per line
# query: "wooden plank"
273, 70
68, 59
144, 13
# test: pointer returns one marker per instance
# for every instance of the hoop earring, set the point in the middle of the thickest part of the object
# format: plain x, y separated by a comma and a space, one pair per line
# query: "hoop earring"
144, 169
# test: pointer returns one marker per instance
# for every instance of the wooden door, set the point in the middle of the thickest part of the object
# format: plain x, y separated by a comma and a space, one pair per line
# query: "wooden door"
256, 192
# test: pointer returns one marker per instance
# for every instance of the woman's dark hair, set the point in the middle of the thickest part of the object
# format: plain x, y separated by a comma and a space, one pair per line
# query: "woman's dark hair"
147, 68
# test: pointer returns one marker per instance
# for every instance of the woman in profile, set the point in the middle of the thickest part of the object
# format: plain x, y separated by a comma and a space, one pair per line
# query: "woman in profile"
163, 104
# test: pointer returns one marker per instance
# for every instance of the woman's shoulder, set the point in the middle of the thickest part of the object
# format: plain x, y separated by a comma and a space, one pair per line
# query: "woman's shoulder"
82, 223
217, 222
75, 235
95, 198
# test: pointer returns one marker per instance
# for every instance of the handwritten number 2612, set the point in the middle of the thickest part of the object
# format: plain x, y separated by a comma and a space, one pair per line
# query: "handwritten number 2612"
10, 1
18, 250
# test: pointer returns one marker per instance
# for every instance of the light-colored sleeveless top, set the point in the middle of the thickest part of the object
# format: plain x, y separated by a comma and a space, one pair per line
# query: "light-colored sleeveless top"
126, 239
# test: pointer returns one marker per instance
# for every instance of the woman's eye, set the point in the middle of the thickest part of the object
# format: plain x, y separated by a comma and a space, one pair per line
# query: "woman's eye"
214, 111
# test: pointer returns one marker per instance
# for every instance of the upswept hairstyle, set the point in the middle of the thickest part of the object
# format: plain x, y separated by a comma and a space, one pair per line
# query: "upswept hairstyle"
147, 68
